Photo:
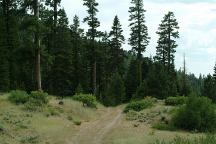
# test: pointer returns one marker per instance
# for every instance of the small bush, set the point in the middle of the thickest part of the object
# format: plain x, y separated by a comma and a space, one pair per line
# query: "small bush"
87, 100
139, 105
173, 101
18, 97
132, 115
1, 128
197, 115
36, 101
40, 97
77, 122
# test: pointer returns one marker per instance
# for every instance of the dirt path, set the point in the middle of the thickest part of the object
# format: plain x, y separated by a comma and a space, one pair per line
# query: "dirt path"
94, 132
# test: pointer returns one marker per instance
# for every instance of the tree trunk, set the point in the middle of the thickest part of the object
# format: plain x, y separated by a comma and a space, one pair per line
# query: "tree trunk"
37, 44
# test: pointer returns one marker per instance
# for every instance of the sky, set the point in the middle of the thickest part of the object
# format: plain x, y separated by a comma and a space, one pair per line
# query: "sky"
196, 18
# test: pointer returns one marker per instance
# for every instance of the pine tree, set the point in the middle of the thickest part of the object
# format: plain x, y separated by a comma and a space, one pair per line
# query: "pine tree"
116, 51
214, 75
168, 32
139, 33
115, 91
54, 4
209, 89
132, 79
63, 69
92, 33
76, 35
8, 42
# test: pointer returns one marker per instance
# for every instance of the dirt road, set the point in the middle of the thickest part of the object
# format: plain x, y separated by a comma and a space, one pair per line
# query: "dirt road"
94, 132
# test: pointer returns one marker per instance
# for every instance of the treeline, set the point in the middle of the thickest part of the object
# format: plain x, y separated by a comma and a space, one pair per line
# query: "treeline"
40, 50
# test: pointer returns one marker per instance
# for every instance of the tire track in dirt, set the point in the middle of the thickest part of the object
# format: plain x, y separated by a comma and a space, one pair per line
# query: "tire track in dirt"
94, 132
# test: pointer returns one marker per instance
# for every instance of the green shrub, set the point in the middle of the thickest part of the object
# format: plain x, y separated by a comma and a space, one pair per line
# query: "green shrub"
1, 128
132, 115
40, 97
77, 122
36, 101
18, 97
87, 100
197, 115
139, 105
173, 101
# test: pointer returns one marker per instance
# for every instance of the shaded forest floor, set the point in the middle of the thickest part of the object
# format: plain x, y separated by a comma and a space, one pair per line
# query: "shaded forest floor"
72, 123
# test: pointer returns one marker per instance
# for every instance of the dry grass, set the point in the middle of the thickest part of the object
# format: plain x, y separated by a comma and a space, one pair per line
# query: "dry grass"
136, 132
51, 126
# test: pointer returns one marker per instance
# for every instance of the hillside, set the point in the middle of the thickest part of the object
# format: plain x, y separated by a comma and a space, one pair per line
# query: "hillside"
60, 124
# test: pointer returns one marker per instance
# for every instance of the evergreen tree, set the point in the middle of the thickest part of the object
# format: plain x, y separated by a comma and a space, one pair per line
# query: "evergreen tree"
62, 70
132, 79
92, 33
214, 75
209, 88
139, 33
76, 35
116, 51
168, 32
115, 91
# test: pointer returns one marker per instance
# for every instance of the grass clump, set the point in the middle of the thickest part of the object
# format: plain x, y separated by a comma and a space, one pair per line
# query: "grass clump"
139, 105
197, 115
209, 139
77, 122
1, 128
18, 97
32, 139
87, 100
174, 101
164, 126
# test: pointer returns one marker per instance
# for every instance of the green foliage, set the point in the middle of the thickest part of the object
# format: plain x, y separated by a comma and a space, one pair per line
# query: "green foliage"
168, 32
37, 100
142, 91
139, 105
132, 115
209, 139
77, 122
40, 97
197, 115
210, 88
1, 128
79, 89
131, 80
139, 32
18, 97
116, 53
115, 91
87, 99
173, 101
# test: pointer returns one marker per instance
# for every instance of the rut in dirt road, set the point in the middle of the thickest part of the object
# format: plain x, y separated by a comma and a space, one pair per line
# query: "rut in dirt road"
94, 132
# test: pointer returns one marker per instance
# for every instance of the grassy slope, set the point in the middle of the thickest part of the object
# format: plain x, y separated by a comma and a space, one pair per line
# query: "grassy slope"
127, 133
54, 125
